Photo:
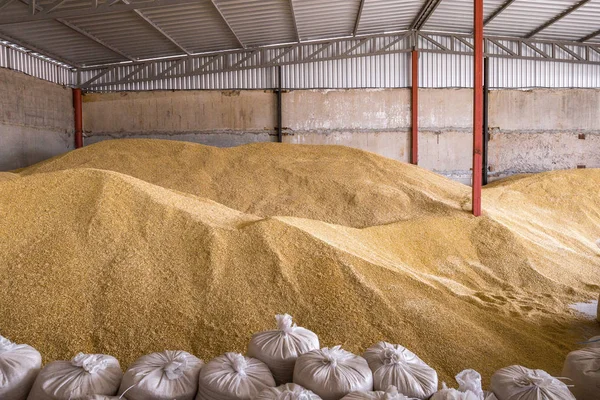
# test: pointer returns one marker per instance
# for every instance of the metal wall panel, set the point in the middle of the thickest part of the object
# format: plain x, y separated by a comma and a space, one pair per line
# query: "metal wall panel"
437, 70
19, 59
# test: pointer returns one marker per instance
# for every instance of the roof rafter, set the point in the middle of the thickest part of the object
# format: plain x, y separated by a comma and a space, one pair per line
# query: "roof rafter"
498, 11
94, 38
227, 23
557, 18
294, 20
590, 36
358, 15
425, 13
55, 11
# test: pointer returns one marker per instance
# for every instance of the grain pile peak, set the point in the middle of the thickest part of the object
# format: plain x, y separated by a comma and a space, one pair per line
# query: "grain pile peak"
130, 247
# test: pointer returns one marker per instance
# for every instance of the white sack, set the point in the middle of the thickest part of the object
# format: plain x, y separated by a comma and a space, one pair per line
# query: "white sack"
162, 376
233, 376
289, 391
332, 373
394, 365
470, 380
583, 368
280, 348
84, 375
453, 394
100, 397
19, 366
391, 393
520, 383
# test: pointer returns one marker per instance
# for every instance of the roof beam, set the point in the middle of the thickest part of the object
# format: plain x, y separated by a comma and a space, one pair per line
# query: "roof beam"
556, 18
424, 14
358, 15
294, 20
590, 36
162, 32
242, 45
53, 11
498, 11
95, 39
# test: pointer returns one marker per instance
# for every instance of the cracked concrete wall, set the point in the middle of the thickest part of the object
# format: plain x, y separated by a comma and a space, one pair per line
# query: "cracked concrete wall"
36, 120
532, 130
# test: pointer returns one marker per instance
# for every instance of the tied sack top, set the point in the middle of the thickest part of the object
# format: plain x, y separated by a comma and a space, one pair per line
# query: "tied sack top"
162, 376
233, 377
394, 365
85, 374
333, 372
518, 382
280, 348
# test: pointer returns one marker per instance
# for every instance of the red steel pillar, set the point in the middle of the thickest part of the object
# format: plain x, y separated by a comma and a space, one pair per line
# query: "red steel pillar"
77, 103
414, 154
477, 106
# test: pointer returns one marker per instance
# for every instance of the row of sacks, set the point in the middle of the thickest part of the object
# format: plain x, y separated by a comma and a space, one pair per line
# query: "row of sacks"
277, 357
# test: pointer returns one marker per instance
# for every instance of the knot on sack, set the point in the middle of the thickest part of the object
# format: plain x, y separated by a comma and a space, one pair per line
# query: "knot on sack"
6, 345
91, 363
390, 356
332, 356
238, 363
284, 323
531, 379
176, 367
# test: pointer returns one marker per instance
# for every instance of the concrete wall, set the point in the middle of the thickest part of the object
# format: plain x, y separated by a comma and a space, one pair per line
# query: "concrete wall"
217, 118
532, 130
36, 120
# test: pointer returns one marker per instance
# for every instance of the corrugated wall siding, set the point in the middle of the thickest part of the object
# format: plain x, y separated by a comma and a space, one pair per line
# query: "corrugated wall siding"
437, 70
35, 65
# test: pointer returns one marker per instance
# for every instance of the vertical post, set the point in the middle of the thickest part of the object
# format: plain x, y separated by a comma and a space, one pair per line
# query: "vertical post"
279, 111
414, 154
477, 105
77, 103
486, 106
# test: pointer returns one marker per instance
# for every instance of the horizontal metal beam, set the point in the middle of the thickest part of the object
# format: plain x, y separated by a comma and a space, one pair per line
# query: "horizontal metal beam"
339, 49
56, 10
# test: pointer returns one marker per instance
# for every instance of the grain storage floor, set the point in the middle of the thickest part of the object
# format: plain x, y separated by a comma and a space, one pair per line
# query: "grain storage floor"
132, 246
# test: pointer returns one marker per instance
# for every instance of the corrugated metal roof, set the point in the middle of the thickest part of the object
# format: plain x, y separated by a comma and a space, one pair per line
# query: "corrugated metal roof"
260, 22
129, 33
388, 15
457, 15
61, 42
522, 17
114, 32
576, 25
318, 19
196, 27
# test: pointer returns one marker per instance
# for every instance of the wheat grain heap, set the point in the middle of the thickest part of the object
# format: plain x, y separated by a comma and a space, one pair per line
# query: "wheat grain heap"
129, 247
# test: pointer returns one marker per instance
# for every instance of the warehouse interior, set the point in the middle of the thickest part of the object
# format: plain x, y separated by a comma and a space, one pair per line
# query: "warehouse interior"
419, 173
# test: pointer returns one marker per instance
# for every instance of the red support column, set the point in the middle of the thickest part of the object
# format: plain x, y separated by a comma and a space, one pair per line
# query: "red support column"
414, 154
477, 106
77, 104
